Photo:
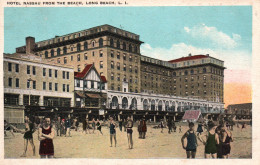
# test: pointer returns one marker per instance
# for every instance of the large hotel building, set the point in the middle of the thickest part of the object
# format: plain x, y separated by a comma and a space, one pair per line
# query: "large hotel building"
115, 55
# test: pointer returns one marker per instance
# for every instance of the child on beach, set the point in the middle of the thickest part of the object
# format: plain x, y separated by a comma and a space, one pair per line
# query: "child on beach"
191, 146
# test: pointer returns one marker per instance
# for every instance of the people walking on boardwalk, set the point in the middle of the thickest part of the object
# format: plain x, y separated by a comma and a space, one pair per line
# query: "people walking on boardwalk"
112, 129
191, 147
129, 131
161, 125
93, 124
99, 126
199, 129
46, 135
226, 139
211, 142
67, 126
120, 123
143, 128
28, 135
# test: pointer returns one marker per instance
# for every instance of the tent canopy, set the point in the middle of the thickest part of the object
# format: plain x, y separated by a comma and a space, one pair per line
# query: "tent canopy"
191, 115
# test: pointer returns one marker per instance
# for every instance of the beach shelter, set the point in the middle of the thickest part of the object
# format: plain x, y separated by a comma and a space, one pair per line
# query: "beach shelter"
191, 115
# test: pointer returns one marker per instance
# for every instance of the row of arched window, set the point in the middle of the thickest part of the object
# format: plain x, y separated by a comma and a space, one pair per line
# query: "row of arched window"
124, 47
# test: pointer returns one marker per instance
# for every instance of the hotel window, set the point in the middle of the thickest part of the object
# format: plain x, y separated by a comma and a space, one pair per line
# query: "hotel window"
118, 55
50, 73
112, 64
205, 92
77, 83
118, 88
111, 42
63, 87
17, 83
10, 82
136, 80
124, 78
9, 67
78, 57
93, 44
135, 49
68, 88
65, 60
205, 85
101, 53
71, 49
85, 84
204, 77
136, 69
186, 86
192, 93
130, 79
34, 70
118, 77
130, 68
52, 53
92, 84
124, 56
186, 79
204, 70
64, 50
118, 66
50, 86
174, 80
28, 69
46, 54
78, 68
124, 46
58, 51
100, 42
112, 87
93, 53
78, 47
56, 73
17, 68
56, 86
44, 71
186, 93
192, 78
71, 58
130, 48
44, 85
85, 56
85, 45
118, 44
192, 71
136, 59
101, 64
34, 84
112, 53
130, 58
174, 74
58, 60
112, 76
186, 72
124, 67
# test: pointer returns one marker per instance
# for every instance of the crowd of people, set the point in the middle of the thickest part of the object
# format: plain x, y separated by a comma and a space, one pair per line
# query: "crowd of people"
216, 138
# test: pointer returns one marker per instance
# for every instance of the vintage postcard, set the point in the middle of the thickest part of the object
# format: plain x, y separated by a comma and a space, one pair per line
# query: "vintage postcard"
145, 81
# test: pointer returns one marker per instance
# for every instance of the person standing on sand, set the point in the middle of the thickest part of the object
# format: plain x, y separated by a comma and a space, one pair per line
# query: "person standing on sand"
143, 128
99, 127
46, 135
120, 124
192, 144
28, 135
112, 126
226, 139
129, 131
139, 128
93, 124
161, 125
84, 125
212, 140
67, 126
124, 124
219, 146
199, 129
169, 126
180, 131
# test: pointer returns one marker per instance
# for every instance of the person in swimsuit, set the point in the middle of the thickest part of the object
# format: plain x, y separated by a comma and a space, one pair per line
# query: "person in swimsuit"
129, 131
199, 129
169, 125
219, 146
46, 135
161, 125
212, 140
120, 124
143, 128
28, 135
112, 126
67, 126
226, 139
93, 124
99, 127
191, 146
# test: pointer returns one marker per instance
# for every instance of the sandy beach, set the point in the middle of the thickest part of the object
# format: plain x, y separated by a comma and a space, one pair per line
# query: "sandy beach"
156, 145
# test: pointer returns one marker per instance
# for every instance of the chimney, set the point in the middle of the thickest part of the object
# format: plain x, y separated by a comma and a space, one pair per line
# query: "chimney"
207, 55
190, 55
30, 45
